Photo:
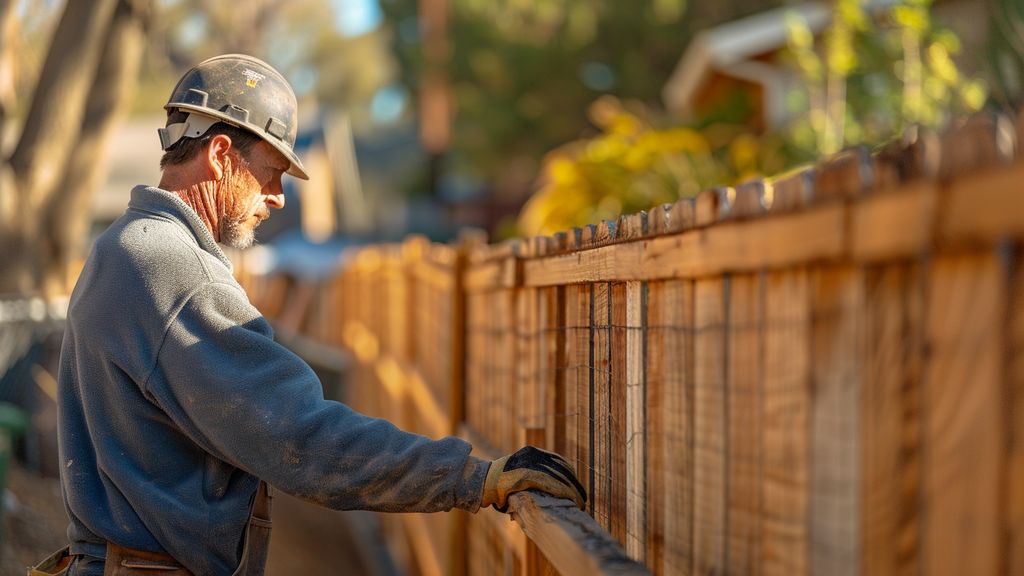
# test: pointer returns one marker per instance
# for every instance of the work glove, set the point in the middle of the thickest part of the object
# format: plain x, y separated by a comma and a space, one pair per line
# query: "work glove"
530, 468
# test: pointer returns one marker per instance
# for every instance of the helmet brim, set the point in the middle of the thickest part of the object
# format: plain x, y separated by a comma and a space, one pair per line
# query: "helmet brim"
296, 169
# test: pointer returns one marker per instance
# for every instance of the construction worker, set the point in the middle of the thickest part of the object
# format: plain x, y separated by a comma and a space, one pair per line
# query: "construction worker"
178, 409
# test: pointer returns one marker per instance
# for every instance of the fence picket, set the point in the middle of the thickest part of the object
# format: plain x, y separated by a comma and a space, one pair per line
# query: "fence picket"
818, 373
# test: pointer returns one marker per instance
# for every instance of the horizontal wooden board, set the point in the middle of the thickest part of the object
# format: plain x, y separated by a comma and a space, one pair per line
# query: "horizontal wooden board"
736, 246
985, 206
491, 275
894, 225
440, 277
572, 541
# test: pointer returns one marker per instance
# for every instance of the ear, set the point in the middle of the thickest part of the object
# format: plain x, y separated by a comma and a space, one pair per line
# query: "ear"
217, 153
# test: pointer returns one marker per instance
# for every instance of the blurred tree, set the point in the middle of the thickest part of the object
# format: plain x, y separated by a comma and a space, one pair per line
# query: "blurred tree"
301, 38
523, 73
84, 86
201, 28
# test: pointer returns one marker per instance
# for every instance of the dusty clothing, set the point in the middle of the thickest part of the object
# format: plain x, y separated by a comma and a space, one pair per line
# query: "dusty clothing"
175, 399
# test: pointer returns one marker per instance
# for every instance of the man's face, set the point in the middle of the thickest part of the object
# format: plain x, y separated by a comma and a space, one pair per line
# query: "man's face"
250, 188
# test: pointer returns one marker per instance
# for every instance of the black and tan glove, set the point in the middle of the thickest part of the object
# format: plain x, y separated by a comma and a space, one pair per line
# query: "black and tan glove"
530, 468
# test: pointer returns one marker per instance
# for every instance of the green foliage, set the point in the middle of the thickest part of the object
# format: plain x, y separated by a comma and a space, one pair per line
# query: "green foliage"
1005, 53
523, 72
873, 76
635, 164
865, 80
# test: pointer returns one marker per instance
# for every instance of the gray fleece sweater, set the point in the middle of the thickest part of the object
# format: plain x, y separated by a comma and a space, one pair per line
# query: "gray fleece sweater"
174, 400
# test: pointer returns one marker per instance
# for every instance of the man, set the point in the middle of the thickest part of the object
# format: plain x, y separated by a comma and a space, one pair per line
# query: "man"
176, 405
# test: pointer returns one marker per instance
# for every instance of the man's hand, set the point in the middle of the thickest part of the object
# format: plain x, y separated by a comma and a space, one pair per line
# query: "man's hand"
530, 468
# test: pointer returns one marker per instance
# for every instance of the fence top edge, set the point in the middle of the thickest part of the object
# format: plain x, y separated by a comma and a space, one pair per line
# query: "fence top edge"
972, 144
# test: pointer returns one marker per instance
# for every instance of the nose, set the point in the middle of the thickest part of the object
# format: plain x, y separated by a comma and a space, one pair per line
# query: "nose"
275, 200
273, 195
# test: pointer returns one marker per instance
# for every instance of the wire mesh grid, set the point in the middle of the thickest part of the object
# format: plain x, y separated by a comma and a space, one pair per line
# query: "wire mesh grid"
743, 454
760, 423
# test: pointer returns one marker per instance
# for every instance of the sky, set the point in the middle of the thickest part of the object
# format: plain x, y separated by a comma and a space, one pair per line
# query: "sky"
356, 17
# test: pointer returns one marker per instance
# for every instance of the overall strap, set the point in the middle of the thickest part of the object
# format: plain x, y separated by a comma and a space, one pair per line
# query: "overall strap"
257, 535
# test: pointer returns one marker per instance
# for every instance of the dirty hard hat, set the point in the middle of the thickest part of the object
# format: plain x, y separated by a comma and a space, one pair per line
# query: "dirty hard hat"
239, 90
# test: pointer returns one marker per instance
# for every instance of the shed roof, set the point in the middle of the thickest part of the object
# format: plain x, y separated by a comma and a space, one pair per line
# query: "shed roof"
734, 43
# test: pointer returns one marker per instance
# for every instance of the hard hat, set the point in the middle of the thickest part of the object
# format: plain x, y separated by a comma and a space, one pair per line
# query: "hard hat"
239, 90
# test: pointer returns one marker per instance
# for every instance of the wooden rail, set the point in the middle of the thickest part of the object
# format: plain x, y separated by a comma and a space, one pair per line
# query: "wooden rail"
572, 541
818, 373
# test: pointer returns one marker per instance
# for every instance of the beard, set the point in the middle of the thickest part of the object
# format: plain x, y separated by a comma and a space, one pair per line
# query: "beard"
235, 230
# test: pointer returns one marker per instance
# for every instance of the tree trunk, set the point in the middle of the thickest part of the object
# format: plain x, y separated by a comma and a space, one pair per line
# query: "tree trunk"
69, 216
7, 64
51, 130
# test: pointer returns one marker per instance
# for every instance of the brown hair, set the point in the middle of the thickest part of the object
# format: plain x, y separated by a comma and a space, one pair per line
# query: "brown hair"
186, 149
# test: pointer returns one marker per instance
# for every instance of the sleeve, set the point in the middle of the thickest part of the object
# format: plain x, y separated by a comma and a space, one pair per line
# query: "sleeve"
251, 402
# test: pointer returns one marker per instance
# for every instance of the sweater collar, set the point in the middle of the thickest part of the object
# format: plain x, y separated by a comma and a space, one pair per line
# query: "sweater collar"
157, 201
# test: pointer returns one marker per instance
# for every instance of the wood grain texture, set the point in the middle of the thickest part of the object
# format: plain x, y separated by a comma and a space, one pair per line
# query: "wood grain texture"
601, 405
801, 237
530, 400
474, 354
584, 386
670, 371
631, 226
657, 218
552, 374
574, 324
837, 307
709, 440
510, 412
572, 541
636, 420
964, 416
743, 554
785, 418
891, 420
655, 424
618, 433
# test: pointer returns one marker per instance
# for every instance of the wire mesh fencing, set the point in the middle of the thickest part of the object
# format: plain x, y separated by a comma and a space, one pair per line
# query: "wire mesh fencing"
818, 373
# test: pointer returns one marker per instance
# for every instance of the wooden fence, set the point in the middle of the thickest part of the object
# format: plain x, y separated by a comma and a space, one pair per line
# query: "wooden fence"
820, 373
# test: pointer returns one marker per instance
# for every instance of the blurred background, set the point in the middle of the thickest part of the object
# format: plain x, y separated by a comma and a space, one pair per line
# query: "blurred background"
517, 117
427, 116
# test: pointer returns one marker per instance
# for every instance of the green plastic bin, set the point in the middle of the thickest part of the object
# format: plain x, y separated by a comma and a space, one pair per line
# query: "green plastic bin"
13, 424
